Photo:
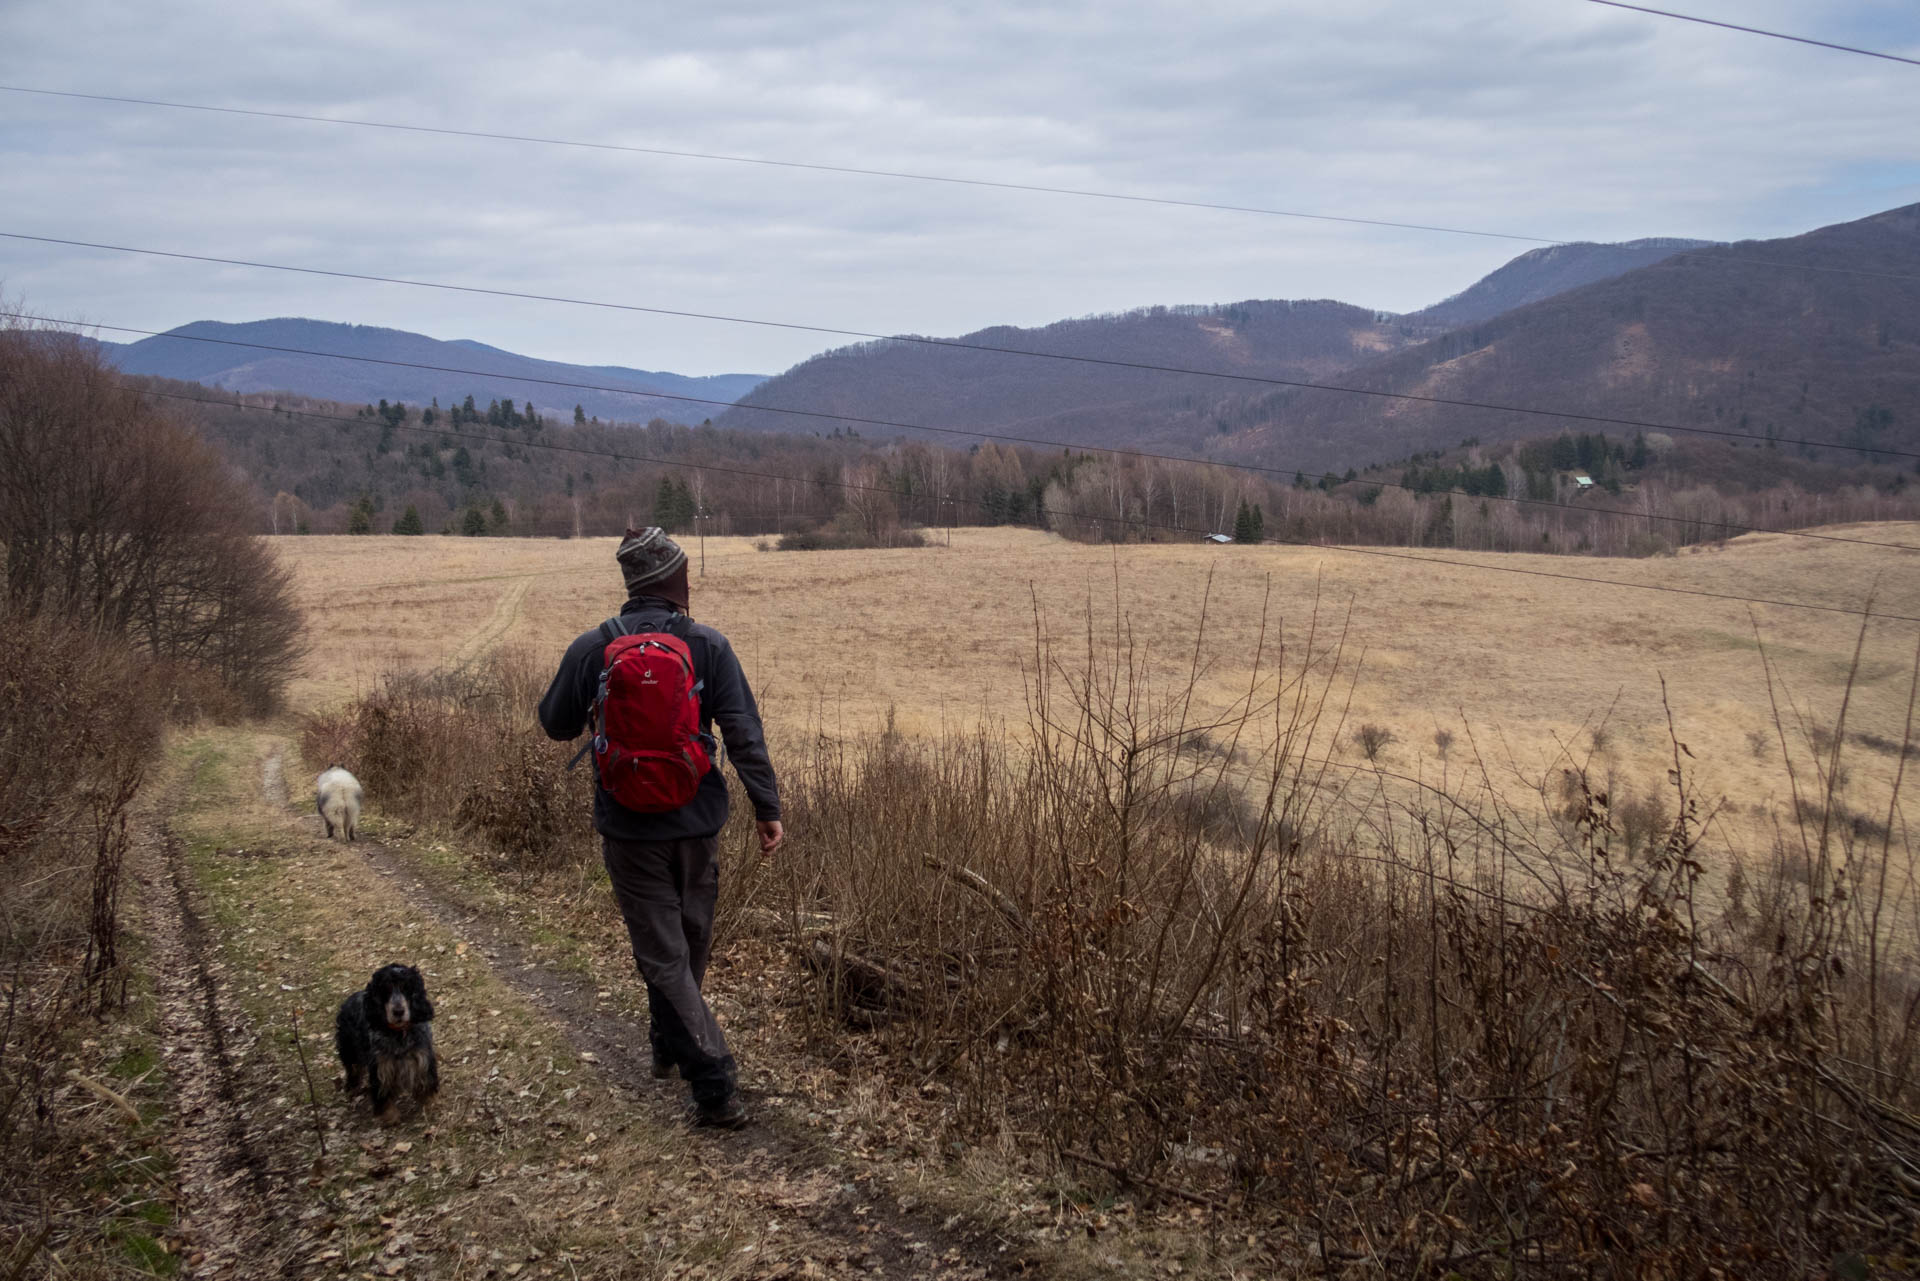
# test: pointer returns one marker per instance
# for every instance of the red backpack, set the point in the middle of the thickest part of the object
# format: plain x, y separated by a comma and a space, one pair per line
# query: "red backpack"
646, 719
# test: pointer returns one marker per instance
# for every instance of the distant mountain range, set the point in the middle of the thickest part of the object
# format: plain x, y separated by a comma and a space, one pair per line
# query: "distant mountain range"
1814, 337
241, 358
951, 390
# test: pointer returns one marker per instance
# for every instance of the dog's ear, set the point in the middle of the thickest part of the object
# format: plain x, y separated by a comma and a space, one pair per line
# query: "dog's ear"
417, 996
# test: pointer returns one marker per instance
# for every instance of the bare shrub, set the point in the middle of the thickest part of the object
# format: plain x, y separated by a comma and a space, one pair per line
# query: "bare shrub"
1643, 820
75, 733
1372, 740
1214, 809
461, 747
1443, 742
839, 536
1838, 820
1375, 1030
116, 517
1885, 746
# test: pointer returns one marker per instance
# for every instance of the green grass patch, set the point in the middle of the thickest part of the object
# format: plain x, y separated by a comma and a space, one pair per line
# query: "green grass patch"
147, 1254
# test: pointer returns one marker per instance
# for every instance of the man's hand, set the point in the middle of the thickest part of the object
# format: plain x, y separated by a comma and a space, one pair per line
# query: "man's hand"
771, 834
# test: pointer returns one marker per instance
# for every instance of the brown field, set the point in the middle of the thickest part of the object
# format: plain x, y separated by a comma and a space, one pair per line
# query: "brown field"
943, 637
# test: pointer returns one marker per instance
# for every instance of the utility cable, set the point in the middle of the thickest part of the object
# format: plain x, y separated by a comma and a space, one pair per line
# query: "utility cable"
916, 177
1732, 528
948, 179
1126, 522
1758, 31
955, 344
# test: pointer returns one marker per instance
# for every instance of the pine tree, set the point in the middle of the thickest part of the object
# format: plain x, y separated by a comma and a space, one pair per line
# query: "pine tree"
473, 524
360, 519
665, 504
1258, 525
498, 521
1243, 524
409, 522
579, 416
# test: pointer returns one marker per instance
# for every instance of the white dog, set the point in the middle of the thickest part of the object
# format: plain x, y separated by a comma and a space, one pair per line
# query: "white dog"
337, 797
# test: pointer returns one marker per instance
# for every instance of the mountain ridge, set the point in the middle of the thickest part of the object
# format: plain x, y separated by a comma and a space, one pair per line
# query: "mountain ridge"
1551, 269
948, 390
184, 353
1814, 337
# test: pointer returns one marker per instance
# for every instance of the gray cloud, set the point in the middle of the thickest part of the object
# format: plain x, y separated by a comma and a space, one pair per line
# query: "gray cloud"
1556, 119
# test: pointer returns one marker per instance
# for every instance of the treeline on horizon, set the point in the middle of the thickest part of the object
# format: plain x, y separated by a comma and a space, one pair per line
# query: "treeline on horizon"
318, 467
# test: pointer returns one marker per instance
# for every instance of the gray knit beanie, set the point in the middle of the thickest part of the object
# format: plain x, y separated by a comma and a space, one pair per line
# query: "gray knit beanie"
648, 557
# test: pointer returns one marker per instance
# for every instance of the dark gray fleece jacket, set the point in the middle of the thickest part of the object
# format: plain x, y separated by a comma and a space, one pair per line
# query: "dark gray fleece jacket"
725, 700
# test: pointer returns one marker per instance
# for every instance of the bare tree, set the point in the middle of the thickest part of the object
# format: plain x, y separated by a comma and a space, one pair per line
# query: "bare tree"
116, 517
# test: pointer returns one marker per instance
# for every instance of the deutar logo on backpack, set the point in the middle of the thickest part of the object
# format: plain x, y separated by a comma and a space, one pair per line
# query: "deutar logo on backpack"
646, 739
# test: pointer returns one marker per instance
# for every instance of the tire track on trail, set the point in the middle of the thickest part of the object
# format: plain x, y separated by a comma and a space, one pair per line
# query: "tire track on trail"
238, 1185
869, 1225
914, 1243
506, 612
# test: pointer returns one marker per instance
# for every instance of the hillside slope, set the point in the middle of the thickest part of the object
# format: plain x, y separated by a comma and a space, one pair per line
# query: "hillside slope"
1814, 336
1542, 273
1109, 404
498, 375
1104, 403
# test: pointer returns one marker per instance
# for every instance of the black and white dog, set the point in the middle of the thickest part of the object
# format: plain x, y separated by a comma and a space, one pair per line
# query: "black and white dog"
384, 1034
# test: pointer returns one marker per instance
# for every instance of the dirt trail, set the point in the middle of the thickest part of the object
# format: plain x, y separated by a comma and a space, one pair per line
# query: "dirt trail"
506, 611
236, 1173
838, 1205
910, 1243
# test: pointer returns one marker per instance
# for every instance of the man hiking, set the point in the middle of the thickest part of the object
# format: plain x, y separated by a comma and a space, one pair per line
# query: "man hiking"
649, 684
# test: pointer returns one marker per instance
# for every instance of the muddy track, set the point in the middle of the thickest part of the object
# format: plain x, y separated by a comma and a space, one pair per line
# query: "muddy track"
911, 1243
237, 1179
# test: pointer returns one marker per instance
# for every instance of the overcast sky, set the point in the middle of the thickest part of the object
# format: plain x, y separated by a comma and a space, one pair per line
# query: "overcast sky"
1551, 118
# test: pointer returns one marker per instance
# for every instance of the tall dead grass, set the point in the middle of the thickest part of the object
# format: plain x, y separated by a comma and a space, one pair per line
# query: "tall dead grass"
75, 734
1425, 1029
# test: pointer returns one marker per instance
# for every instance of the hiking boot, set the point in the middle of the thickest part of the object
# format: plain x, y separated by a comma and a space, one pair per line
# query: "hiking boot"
729, 1114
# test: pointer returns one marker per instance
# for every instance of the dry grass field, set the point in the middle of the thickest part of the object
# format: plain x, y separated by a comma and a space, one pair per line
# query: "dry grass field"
1523, 667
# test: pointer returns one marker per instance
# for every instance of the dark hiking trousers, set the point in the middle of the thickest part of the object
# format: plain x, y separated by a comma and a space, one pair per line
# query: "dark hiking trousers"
666, 891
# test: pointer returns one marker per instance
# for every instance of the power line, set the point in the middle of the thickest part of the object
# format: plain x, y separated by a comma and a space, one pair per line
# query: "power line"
1758, 31
1280, 472
1108, 520
948, 179
1349, 219
955, 344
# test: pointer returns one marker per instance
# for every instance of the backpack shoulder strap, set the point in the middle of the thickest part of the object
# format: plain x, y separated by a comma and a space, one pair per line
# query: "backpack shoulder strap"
610, 629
